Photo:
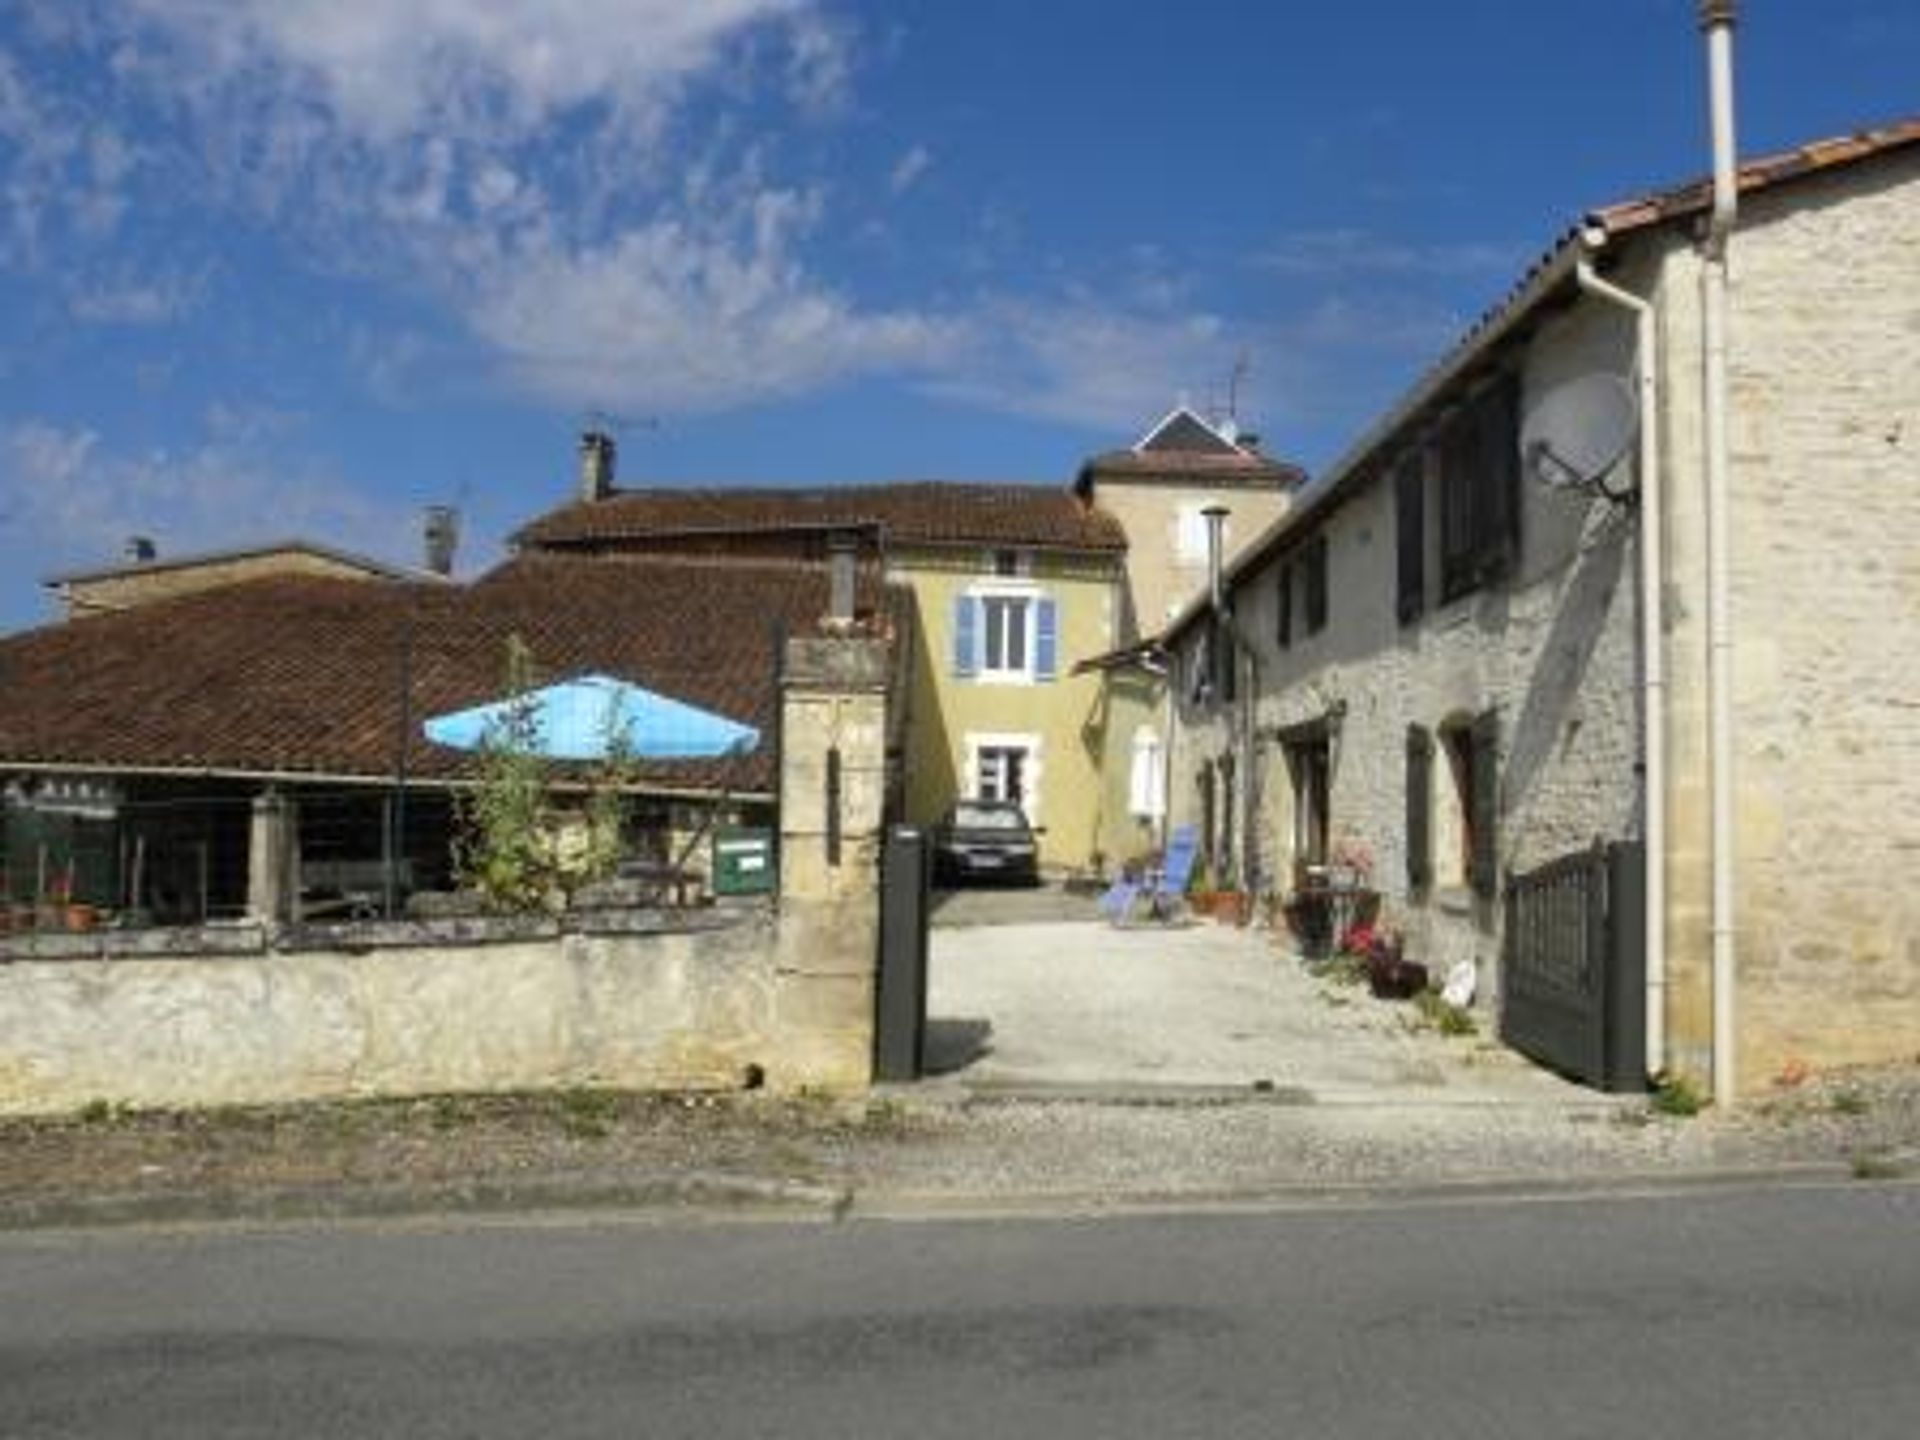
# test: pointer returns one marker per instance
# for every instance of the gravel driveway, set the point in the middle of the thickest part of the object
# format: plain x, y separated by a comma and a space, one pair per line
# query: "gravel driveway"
1081, 1005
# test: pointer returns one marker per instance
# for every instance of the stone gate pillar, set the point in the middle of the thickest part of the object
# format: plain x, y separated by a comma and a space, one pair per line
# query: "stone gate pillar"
833, 761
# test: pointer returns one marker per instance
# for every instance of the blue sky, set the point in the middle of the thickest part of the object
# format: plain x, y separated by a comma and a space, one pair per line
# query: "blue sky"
302, 266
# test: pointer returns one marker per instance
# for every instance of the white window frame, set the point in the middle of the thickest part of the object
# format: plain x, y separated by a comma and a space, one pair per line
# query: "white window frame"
1031, 596
1031, 768
1190, 523
1147, 776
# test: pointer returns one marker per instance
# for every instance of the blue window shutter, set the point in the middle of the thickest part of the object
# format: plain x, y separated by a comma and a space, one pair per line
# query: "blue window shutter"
966, 636
1046, 626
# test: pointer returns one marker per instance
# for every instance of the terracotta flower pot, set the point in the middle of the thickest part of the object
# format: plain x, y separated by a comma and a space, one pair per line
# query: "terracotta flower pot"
1233, 907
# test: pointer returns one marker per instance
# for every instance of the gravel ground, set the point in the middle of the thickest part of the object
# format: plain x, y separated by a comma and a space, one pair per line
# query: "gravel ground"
890, 1151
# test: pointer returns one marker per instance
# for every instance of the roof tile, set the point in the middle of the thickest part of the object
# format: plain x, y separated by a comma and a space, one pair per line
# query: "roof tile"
302, 674
922, 512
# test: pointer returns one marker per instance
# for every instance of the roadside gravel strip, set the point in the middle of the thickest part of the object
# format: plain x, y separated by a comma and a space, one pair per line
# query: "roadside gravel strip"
917, 1152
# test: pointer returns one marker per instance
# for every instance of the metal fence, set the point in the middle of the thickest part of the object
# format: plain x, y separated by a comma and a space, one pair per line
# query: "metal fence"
1573, 966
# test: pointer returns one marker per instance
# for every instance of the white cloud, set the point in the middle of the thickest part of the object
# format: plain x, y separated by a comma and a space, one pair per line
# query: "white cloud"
383, 69
1085, 362
696, 312
73, 499
909, 168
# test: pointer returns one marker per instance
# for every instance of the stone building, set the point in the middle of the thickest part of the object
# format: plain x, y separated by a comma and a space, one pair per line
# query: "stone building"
1444, 665
145, 575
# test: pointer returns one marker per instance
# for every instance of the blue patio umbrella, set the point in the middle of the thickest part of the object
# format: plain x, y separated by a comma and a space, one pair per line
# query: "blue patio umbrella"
574, 720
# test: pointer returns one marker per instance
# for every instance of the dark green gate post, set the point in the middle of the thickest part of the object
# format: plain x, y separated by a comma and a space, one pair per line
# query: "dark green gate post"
900, 994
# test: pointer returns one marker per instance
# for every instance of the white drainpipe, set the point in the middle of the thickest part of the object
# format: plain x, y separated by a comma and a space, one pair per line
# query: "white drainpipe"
1653, 680
1717, 19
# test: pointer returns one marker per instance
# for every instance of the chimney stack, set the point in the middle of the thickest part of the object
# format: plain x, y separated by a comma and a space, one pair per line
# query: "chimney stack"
1216, 518
842, 549
440, 534
139, 550
596, 466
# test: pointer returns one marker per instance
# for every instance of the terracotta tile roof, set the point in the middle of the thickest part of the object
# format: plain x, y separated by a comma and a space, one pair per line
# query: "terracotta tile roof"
911, 513
1204, 468
1764, 173
301, 674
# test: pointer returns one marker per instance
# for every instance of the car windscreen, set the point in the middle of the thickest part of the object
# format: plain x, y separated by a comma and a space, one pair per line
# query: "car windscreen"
987, 817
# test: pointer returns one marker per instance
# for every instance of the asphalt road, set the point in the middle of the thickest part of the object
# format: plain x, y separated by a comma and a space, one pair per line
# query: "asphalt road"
1787, 1313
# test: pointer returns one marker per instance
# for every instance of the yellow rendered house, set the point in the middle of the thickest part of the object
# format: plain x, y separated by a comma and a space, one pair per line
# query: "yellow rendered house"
1021, 597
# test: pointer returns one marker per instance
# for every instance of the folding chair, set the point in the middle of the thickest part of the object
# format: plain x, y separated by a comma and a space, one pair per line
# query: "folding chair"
1164, 889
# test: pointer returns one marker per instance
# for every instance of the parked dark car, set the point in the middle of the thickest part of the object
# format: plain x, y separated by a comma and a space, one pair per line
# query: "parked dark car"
985, 840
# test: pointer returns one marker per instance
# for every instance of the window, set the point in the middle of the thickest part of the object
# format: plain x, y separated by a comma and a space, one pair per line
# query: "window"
1190, 533
1283, 606
1002, 773
1147, 783
1469, 853
1310, 767
1009, 562
1004, 623
1480, 491
1314, 579
1004, 767
1410, 533
1006, 635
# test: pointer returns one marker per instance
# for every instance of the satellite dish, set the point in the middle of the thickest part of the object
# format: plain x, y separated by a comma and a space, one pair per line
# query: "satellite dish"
1577, 433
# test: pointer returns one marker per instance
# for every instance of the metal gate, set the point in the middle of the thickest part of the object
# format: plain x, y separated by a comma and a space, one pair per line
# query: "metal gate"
900, 994
1573, 966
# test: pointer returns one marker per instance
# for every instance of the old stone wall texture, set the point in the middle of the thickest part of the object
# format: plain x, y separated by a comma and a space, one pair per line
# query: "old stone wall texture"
667, 1011
1552, 652
827, 946
1825, 541
1161, 574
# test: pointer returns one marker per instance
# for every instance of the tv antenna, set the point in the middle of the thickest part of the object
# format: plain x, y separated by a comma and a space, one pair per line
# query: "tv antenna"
1242, 368
1576, 434
607, 423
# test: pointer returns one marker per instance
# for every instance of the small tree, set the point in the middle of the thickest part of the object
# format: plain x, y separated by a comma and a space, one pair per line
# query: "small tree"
512, 847
607, 804
503, 849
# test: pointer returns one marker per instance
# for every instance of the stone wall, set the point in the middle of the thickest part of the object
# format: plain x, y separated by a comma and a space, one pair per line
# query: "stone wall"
1825, 546
1552, 652
836, 704
193, 1018
1161, 574
778, 993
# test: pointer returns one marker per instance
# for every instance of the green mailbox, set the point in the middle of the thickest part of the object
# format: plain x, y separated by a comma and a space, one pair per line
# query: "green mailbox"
742, 861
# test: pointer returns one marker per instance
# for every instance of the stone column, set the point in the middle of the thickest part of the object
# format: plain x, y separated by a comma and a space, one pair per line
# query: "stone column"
273, 859
832, 804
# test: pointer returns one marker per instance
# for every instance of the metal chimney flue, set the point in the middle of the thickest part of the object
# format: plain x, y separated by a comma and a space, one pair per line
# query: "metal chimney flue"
596, 466
440, 537
1216, 518
842, 552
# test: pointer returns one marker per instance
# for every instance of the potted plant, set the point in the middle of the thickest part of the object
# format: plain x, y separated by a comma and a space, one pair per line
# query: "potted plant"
1309, 914
1231, 904
1390, 975
1200, 892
